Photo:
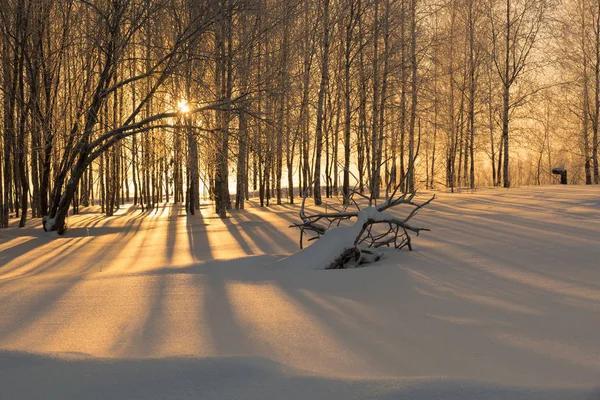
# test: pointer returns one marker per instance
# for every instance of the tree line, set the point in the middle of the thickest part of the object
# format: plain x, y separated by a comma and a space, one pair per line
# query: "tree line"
115, 101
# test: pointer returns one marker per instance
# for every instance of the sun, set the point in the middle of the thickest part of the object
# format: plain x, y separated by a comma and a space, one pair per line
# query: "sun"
183, 106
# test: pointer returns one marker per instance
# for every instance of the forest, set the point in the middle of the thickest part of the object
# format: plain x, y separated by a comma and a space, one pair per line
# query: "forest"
107, 102
299, 199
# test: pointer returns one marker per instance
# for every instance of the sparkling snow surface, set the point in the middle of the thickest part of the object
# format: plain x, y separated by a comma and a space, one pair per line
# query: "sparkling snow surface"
500, 301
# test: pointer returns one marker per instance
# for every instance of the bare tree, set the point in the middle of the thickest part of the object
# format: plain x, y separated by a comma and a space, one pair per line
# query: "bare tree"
321, 100
513, 39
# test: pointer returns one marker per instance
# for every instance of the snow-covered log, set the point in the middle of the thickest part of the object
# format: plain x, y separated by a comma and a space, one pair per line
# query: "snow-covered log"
340, 245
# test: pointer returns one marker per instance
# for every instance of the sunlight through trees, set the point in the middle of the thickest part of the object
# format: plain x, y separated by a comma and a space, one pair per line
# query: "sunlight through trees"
146, 101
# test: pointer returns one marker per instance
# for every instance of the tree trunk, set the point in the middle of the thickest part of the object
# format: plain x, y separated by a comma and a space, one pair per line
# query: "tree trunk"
320, 106
414, 99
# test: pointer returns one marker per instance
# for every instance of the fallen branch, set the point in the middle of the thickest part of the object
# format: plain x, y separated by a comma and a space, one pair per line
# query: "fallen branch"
373, 228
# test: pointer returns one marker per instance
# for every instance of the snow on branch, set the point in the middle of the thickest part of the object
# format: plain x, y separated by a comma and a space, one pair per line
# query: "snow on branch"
339, 246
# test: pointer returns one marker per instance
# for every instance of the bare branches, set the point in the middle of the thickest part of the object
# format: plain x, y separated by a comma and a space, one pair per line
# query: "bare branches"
310, 223
372, 228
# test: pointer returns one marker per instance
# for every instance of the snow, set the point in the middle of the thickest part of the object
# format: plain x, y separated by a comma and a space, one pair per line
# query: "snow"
499, 301
49, 224
322, 252
325, 250
371, 213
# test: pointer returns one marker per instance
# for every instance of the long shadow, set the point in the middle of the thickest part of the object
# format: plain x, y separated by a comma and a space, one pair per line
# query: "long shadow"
511, 287
87, 220
543, 226
511, 233
234, 230
462, 297
262, 232
394, 335
26, 246
245, 269
145, 338
197, 236
74, 242
357, 334
227, 337
150, 225
516, 208
62, 252
472, 286
519, 242
111, 249
38, 304
479, 230
172, 231
292, 218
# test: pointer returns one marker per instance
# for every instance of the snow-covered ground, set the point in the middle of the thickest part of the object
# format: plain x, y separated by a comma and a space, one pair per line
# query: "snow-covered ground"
500, 301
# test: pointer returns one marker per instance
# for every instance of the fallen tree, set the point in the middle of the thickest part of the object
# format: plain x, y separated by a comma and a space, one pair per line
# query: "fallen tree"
340, 244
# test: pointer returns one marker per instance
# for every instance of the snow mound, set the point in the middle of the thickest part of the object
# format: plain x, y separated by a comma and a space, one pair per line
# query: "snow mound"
335, 241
